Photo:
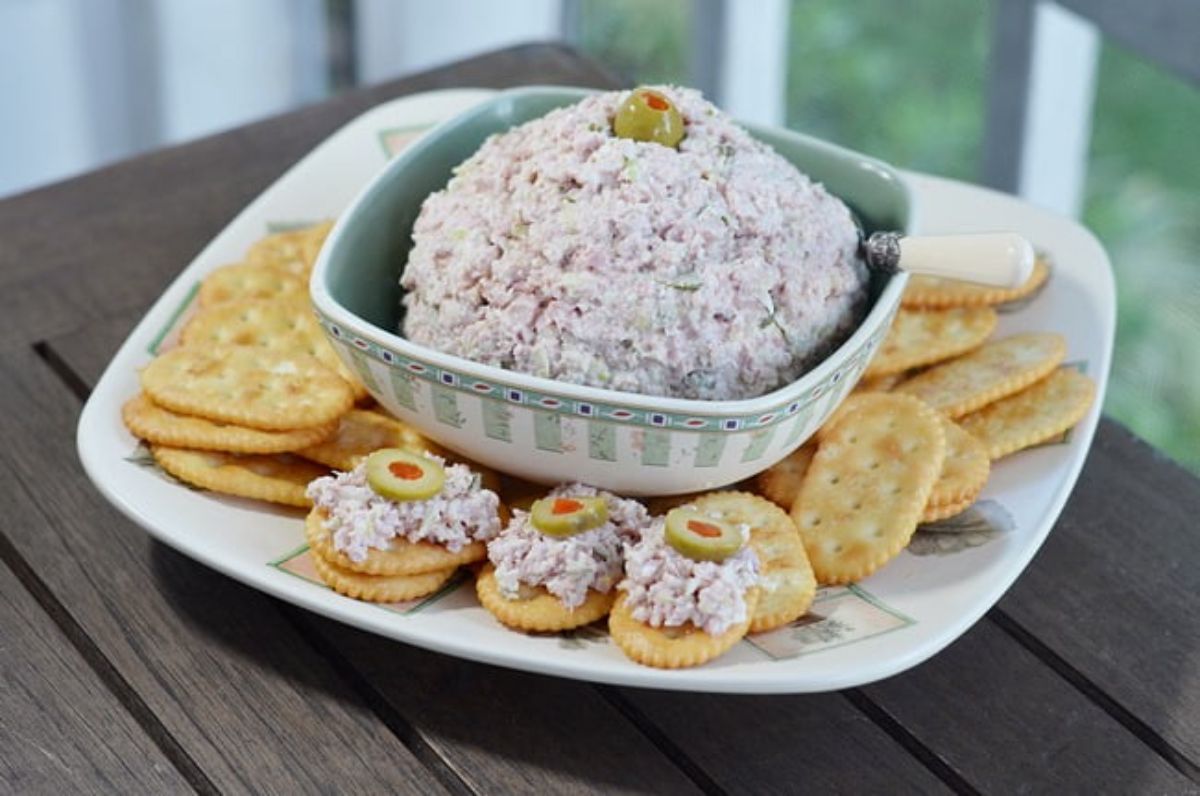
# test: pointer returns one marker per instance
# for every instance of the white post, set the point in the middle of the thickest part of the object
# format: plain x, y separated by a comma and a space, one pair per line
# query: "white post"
753, 84
1058, 118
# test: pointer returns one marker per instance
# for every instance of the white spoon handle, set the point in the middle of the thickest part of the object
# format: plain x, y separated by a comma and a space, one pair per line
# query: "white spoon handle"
1004, 259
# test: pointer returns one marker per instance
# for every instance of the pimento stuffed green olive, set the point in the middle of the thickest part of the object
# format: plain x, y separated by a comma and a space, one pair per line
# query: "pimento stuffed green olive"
567, 516
701, 537
399, 475
648, 115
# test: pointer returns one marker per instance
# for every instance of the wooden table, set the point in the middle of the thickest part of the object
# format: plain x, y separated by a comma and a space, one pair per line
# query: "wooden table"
127, 668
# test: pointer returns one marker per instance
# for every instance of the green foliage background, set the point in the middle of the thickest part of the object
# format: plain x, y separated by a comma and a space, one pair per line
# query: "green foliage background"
909, 88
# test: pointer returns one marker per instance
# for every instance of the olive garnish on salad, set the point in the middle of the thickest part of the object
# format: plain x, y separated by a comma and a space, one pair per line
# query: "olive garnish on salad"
567, 516
649, 115
701, 537
399, 475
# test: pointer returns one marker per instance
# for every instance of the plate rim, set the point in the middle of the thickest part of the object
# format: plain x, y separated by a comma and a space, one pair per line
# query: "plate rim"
774, 679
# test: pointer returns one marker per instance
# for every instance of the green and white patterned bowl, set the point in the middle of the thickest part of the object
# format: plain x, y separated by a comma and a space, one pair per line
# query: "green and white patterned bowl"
551, 431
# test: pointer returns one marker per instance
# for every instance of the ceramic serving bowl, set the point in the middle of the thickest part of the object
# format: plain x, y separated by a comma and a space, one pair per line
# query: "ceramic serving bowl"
551, 431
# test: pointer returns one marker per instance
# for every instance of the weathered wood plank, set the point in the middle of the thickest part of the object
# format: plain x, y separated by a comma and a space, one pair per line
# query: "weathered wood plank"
1115, 591
1007, 723
504, 731
61, 730
218, 665
112, 239
815, 743
86, 352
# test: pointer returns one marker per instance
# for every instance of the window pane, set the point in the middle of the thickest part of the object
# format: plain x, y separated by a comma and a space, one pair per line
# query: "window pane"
906, 86
1143, 201
645, 41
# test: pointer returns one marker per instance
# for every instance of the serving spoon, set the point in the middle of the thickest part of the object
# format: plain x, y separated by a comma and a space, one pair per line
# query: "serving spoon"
1003, 259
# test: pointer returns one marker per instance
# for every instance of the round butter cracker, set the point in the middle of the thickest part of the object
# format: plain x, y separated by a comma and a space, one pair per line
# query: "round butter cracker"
270, 390
380, 588
945, 511
923, 337
780, 483
536, 610
159, 426
294, 251
275, 478
359, 433
673, 647
279, 324
401, 557
965, 469
243, 282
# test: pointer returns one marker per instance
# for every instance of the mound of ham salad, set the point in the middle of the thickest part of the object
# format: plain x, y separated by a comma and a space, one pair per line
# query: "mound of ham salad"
665, 588
360, 519
567, 566
709, 269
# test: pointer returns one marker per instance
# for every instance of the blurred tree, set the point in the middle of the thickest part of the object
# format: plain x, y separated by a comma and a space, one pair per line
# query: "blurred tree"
645, 41
1143, 202
853, 78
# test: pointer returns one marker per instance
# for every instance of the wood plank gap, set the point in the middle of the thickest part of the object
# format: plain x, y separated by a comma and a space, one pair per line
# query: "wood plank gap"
70, 379
1084, 685
117, 685
913, 745
669, 748
377, 703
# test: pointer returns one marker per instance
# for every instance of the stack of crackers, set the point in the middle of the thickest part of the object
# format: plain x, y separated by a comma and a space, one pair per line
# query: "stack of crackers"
941, 400
253, 401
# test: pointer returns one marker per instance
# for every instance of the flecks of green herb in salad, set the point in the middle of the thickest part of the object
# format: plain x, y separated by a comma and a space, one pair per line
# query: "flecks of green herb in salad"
682, 282
771, 319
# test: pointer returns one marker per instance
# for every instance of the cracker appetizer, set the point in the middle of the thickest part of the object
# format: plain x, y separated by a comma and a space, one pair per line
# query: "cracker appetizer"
690, 589
398, 525
555, 567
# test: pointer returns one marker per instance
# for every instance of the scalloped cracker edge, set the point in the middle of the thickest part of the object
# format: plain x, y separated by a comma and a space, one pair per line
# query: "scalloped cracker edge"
1039, 413
154, 424
925, 337
380, 588
275, 478
673, 648
987, 374
269, 390
401, 558
930, 292
537, 610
